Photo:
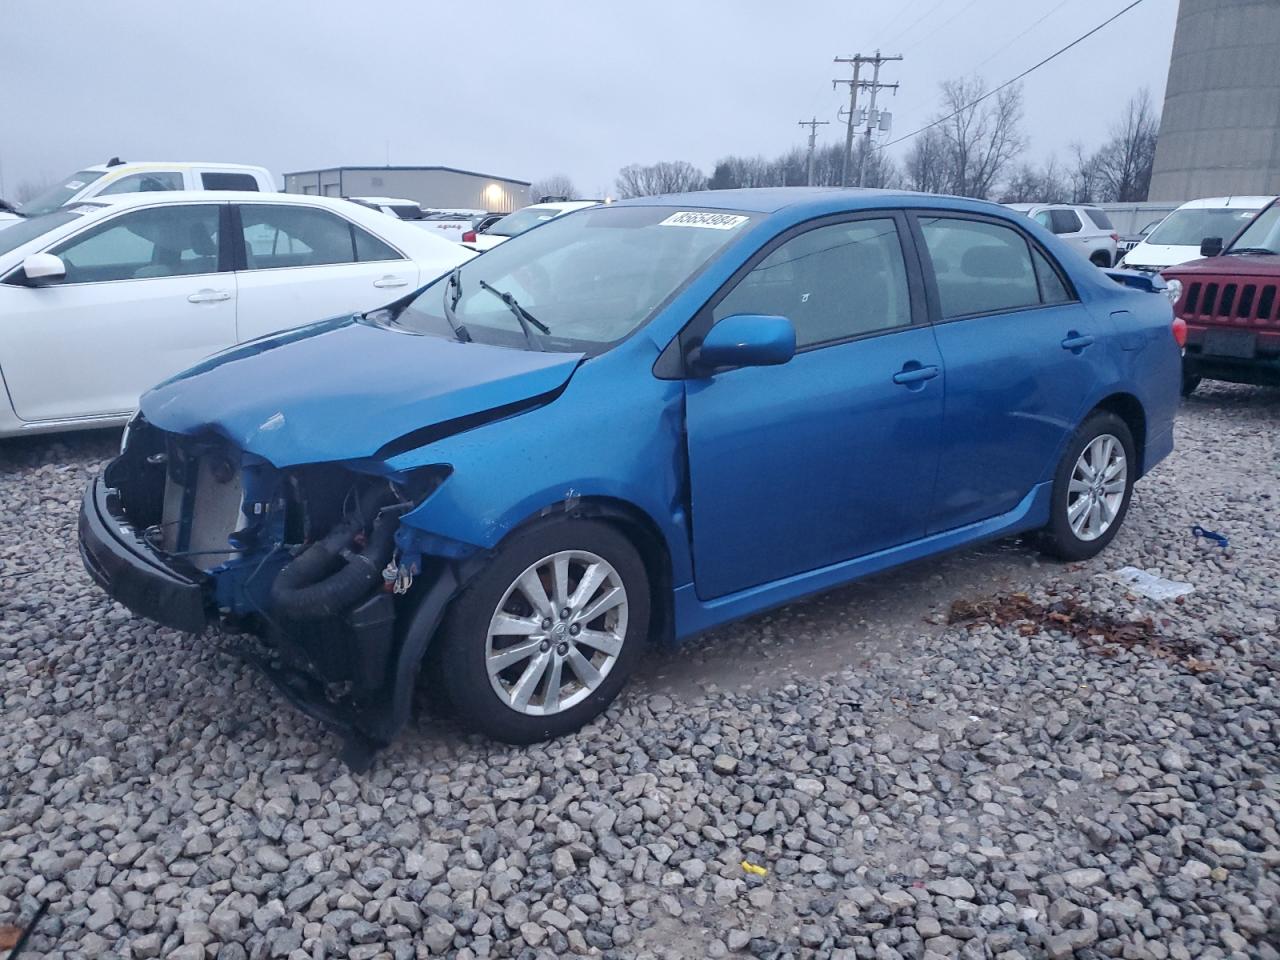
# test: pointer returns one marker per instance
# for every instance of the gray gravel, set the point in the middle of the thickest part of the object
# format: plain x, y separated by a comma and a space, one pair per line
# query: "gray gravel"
983, 789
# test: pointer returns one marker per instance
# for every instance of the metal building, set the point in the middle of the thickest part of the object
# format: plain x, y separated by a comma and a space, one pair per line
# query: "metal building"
1220, 130
435, 188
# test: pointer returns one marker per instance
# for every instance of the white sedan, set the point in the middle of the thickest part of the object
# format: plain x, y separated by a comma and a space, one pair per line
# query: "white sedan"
101, 300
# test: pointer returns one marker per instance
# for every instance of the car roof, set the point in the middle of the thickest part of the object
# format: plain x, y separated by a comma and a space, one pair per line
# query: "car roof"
1245, 202
128, 164
815, 201
120, 200
559, 205
399, 201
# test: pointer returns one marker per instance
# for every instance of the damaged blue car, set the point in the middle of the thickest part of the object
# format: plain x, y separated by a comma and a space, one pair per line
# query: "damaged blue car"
633, 423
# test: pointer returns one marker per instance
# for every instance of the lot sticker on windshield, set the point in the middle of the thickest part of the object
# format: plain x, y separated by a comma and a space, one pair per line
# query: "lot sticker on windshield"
708, 221
75, 185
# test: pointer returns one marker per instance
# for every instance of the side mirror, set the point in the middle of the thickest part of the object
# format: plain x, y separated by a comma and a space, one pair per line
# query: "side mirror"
747, 340
1210, 246
42, 268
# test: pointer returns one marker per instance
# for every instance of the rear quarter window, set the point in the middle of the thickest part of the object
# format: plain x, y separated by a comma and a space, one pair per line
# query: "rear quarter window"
1100, 219
229, 181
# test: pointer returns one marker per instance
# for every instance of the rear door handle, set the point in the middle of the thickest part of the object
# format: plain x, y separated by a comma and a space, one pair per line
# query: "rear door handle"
1076, 341
914, 373
390, 281
208, 296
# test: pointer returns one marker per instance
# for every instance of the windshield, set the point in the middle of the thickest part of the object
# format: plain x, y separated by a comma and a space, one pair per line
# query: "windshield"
590, 278
11, 238
522, 220
408, 211
1186, 228
1262, 234
55, 197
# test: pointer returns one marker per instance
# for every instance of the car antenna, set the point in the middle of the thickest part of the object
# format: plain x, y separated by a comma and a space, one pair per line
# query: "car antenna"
115, 162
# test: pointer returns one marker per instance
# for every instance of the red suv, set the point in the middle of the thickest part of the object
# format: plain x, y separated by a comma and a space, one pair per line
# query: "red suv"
1230, 302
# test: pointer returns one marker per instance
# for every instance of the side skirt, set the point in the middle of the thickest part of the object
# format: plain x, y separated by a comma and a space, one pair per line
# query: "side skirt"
695, 616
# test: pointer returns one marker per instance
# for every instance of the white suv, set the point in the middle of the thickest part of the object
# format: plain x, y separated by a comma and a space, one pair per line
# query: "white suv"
1177, 239
116, 177
1088, 229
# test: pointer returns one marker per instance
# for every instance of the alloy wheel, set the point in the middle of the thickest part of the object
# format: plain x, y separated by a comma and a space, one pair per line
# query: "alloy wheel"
556, 633
1097, 487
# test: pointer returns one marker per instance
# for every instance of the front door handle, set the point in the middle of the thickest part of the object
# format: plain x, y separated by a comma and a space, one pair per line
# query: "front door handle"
390, 281
1076, 341
913, 372
208, 296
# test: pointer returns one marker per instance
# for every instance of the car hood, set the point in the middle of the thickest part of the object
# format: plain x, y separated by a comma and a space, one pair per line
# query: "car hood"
1243, 265
1160, 254
343, 389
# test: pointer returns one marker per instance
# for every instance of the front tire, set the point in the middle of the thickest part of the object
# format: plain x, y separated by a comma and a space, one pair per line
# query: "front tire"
544, 638
1091, 488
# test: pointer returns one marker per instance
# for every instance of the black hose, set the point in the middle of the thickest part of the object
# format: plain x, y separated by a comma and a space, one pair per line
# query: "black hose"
318, 584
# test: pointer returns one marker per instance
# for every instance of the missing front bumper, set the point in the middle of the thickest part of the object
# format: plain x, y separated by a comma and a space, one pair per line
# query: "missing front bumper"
131, 571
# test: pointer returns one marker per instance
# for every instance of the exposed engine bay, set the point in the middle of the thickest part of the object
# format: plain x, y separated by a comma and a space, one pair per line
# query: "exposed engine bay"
304, 559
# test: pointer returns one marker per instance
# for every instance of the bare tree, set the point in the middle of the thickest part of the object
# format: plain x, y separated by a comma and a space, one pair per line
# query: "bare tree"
1030, 184
1124, 163
669, 176
1083, 175
878, 168
28, 189
981, 138
926, 166
556, 185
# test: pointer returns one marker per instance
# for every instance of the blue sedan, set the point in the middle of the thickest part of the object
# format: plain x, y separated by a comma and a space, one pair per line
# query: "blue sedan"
635, 422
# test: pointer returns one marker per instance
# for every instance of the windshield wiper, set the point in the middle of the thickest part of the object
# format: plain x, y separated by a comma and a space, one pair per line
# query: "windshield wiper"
1262, 250
452, 291
526, 318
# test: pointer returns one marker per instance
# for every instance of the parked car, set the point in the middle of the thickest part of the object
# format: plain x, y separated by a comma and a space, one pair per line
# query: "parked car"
638, 422
117, 176
397, 207
1230, 302
483, 222
1088, 229
1128, 241
524, 219
102, 299
1177, 239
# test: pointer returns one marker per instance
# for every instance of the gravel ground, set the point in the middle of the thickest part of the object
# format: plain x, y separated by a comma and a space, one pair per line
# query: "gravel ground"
1076, 771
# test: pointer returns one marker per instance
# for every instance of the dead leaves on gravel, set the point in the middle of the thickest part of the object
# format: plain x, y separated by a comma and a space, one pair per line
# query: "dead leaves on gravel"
1098, 633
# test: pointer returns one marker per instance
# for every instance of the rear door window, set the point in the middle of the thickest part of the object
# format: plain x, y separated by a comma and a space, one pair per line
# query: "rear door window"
229, 181
280, 235
1100, 219
979, 266
1064, 221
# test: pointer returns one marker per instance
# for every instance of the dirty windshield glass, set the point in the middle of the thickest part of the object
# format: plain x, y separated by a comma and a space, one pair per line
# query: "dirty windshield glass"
1186, 228
1262, 234
55, 197
589, 277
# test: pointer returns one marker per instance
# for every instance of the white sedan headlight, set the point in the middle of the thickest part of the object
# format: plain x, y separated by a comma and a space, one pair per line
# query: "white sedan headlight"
1173, 290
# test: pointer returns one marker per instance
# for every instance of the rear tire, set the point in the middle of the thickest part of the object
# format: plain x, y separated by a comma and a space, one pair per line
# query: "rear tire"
1189, 383
1092, 488
512, 666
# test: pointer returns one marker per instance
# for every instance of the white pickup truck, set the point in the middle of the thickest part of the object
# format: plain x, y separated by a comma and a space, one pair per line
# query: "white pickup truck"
117, 176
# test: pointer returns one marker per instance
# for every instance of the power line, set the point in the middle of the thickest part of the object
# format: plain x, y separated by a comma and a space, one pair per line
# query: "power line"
938, 26
912, 25
1011, 82
1008, 43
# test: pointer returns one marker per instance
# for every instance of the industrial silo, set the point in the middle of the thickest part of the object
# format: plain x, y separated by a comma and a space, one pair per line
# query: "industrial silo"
1220, 130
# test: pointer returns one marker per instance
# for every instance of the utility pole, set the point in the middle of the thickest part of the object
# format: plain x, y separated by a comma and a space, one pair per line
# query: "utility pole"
856, 60
851, 119
813, 126
872, 117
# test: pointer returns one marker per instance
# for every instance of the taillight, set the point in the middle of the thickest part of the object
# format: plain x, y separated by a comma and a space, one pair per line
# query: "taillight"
469, 237
1115, 237
1179, 331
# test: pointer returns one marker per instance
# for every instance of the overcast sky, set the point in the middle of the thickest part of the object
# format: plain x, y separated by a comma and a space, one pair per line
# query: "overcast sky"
526, 89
